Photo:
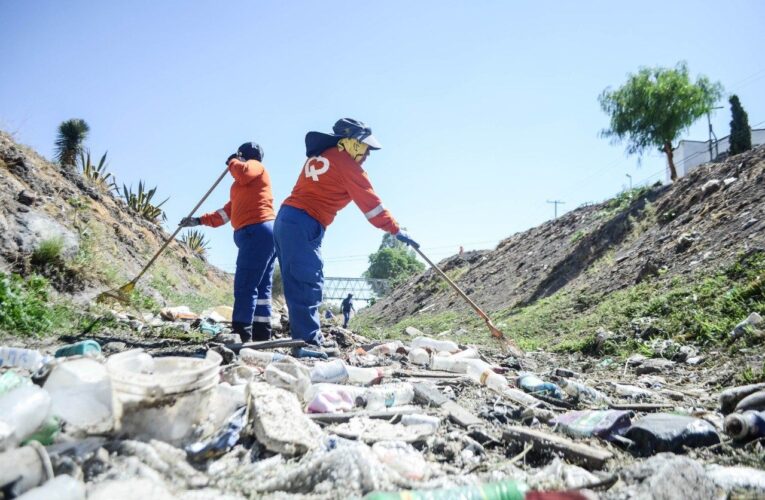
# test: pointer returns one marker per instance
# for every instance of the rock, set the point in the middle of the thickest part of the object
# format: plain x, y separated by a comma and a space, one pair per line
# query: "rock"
112, 347
730, 180
710, 187
26, 197
751, 322
566, 373
737, 478
226, 353
668, 477
601, 337
33, 227
694, 361
227, 338
636, 360
685, 353
655, 365
278, 420
413, 332
129, 489
684, 242
649, 269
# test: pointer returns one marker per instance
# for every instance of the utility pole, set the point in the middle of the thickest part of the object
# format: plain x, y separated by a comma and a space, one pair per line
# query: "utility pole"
630, 178
712, 134
556, 203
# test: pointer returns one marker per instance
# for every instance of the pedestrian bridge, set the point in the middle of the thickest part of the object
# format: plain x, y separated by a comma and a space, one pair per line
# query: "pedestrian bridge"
361, 288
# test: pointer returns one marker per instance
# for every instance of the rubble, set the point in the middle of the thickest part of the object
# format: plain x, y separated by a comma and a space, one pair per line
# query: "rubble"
237, 421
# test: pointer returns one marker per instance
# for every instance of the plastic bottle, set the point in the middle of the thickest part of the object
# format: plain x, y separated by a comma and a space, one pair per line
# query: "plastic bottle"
78, 349
11, 380
456, 365
754, 402
580, 391
331, 398
334, 371
386, 349
730, 397
467, 353
365, 376
259, 358
28, 359
502, 490
420, 419
24, 468
46, 433
22, 411
419, 356
81, 394
485, 376
388, 395
745, 426
533, 384
435, 345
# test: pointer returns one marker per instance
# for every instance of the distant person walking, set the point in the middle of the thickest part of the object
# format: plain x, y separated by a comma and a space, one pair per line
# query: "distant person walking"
330, 178
251, 213
347, 306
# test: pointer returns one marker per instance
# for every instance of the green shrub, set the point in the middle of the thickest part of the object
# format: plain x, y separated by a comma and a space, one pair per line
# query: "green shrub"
48, 251
25, 308
96, 174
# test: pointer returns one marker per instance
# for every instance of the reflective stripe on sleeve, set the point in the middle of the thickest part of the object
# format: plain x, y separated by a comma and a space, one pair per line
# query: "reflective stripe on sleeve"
223, 215
263, 302
261, 319
375, 211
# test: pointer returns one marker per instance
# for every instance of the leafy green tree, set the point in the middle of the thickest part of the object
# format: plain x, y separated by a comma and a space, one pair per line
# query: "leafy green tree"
393, 261
655, 106
740, 132
71, 135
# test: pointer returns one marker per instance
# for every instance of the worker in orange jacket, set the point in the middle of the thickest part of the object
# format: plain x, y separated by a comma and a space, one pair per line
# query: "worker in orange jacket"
330, 178
251, 213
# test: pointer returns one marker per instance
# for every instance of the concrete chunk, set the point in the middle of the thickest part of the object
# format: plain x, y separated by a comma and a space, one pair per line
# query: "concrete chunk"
278, 420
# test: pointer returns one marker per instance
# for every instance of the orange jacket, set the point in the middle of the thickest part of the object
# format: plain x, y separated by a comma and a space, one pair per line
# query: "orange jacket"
329, 182
251, 199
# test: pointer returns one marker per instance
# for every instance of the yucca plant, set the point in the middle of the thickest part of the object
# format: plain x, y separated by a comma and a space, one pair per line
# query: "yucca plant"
140, 202
71, 135
96, 174
195, 240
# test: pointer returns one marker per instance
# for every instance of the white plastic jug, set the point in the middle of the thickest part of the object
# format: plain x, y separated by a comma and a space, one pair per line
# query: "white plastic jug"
365, 376
81, 394
332, 372
435, 345
419, 356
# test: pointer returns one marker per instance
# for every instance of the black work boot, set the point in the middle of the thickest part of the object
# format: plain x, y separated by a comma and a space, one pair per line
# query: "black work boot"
243, 330
261, 332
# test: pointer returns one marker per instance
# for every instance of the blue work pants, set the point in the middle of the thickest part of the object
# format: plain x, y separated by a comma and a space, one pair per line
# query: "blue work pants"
298, 237
254, 273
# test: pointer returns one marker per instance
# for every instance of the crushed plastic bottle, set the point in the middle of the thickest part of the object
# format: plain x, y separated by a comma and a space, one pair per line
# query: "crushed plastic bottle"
364, 376
633, 392
332, 398
658, 432
421, 419
535, 385
484, 375
388, 395
334, 371
457, 365
503, 490
745, 426
386, 349
730, 397
29, 359
754, 402
580, 391
222, 441
259, 358
435, 345
78, 349
601, 423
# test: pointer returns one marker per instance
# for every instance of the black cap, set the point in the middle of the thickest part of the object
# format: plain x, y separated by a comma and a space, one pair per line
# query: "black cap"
250, 151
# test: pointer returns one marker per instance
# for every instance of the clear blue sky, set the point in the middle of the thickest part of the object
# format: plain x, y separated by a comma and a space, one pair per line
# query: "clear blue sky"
485, 109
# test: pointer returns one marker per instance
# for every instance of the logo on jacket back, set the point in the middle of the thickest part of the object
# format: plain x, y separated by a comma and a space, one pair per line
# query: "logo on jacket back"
316, 166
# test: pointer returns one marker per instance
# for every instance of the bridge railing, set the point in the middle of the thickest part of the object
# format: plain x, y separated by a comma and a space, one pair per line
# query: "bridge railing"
338, 288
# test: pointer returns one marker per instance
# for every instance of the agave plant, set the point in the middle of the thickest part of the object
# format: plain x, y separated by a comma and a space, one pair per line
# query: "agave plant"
71, 135
96, 174
140, 202
195, 240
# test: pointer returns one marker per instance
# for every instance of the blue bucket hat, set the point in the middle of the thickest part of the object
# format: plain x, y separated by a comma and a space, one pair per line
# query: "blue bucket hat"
316, 142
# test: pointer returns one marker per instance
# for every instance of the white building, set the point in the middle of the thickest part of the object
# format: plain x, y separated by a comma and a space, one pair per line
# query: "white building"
690, 154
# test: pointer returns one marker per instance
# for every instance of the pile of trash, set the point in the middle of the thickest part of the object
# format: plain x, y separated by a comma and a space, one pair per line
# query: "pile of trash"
381, 420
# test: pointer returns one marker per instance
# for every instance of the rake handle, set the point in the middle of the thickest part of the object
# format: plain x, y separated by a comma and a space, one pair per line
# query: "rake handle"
454, 285
178, 229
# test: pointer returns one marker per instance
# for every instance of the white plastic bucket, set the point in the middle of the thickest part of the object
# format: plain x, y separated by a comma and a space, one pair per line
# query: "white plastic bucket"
163, 398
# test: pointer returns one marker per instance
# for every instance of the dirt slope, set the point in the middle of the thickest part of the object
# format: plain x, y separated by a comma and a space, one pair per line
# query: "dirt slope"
692, 227
103, 244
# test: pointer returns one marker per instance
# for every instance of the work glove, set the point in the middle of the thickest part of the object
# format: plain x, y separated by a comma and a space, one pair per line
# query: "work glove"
402, 236
190, 222
231, 157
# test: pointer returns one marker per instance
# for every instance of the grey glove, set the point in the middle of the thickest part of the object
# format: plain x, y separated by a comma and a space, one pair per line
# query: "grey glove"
190, 222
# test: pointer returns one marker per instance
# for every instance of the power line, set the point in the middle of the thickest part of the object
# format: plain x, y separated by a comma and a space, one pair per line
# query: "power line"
556, 203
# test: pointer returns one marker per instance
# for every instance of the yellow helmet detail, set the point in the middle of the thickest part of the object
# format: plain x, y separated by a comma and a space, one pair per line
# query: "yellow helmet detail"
356, 149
